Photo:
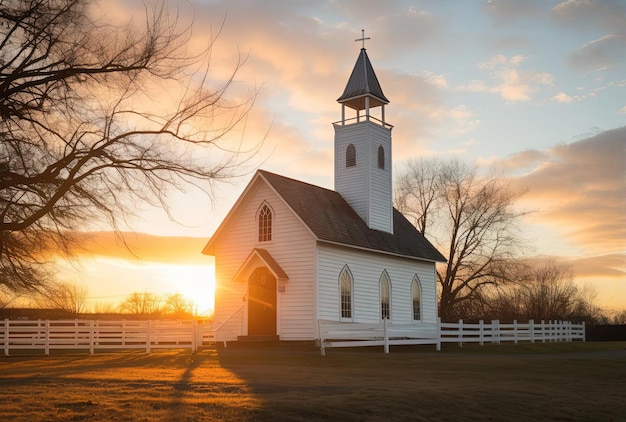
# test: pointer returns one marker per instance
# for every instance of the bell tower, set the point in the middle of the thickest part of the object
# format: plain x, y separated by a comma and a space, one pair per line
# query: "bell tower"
363, 147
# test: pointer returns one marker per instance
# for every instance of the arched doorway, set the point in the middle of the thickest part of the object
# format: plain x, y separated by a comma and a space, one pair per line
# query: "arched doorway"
262, 303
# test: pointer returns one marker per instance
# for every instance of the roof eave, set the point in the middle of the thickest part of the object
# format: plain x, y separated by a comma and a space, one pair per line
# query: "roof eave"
380, 251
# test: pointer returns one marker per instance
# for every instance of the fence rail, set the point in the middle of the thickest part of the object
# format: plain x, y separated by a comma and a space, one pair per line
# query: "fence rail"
341, 334
95, 335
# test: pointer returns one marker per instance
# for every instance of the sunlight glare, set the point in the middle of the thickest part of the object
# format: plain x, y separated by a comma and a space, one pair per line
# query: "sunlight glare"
195, 282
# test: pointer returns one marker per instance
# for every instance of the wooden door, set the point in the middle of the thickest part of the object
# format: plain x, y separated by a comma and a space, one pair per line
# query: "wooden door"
262, 303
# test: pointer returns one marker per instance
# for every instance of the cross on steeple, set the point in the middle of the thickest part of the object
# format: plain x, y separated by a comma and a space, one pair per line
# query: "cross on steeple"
362, 39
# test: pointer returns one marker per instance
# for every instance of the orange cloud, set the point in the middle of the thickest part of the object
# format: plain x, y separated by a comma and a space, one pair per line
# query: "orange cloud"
580, 189
141, 247
606, 266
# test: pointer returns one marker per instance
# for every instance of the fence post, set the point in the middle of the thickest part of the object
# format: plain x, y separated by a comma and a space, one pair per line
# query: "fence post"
531, 330
148, 340
91, 337
584, 333
6, 337
385, 336
438, 345
47, 337
460, 333
481, 331
319, 330
497, 330
514, 331
194, 336
555, 331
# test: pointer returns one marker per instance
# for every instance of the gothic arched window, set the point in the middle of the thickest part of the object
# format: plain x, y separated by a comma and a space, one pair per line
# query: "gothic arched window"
385, 296
381, 157
350, 156
345, 288
265, 224
416, 294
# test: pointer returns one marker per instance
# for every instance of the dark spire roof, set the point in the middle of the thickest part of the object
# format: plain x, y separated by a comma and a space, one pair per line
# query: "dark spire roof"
363, 82
332, 219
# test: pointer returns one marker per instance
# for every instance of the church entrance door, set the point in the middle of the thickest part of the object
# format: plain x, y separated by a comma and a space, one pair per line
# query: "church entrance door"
262, 303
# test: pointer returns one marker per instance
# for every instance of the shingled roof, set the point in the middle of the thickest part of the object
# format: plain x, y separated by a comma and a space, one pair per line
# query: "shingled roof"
332, 219
363, 82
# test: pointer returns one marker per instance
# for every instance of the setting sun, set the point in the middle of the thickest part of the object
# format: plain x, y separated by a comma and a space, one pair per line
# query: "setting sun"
196, 283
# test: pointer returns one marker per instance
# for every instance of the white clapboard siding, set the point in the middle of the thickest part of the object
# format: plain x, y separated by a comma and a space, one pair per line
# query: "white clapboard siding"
293, 248
380, 199
366, 269
364, 186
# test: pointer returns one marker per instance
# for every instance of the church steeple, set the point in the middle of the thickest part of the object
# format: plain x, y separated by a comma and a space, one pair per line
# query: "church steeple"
363, 147
362, 84
363, 91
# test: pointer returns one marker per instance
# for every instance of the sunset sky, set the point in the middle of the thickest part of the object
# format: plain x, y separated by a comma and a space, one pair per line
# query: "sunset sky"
535, 88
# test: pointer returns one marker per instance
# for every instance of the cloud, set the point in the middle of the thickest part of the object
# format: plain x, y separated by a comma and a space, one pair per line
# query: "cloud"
603, 14
506, 11
606, 266
507, 80
141, 248
600, 54
562, 97
580, 189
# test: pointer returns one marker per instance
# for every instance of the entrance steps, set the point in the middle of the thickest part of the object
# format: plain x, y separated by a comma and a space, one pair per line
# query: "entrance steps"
255, 342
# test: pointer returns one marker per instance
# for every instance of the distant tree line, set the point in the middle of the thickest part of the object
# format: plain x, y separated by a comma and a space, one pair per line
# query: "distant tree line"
73, 299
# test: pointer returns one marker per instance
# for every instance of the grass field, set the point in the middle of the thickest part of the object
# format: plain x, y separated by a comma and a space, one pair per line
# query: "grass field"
556, 381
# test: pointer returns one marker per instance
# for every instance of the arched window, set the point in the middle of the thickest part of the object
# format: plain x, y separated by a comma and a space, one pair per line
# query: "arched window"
350, 156
385, 295
416, 294
265, 224
381, 157
345, 287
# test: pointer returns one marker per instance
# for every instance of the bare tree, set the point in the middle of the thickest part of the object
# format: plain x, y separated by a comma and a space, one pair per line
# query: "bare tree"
65, 296
619, 318
546, 290
470, 216
8, 296
141, 304
85, 132
105, 308
417, 190
176, 305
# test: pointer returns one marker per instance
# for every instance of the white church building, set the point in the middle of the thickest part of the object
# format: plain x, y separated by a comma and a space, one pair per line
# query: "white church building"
290, 253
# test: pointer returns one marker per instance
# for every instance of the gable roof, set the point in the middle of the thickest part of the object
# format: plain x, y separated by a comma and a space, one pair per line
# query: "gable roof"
268, 260
363, 82
331, 219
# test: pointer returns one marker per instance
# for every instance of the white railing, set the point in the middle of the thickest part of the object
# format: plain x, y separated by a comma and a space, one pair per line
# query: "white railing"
211, 333
341, 334
95, 335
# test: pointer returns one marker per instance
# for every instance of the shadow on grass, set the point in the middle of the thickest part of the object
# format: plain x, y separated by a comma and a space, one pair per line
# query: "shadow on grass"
556, 381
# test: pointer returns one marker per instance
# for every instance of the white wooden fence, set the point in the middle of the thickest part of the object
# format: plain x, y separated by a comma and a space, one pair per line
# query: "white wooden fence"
95, 335
341, 334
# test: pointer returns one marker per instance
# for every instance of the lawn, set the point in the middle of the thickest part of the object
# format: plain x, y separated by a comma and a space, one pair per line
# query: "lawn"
557, 381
